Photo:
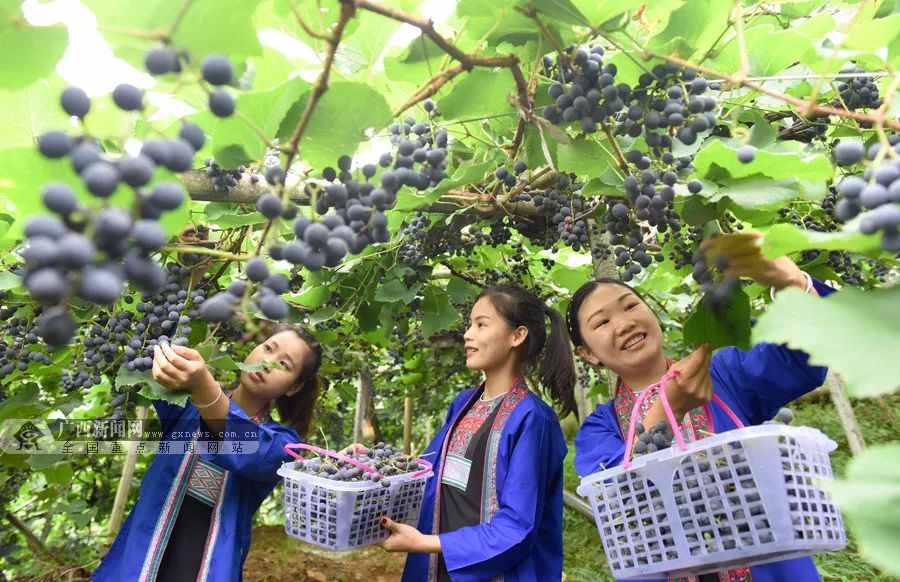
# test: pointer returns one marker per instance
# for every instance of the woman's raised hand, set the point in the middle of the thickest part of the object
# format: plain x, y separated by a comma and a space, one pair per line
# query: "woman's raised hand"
744, 258
692, 387
179, 367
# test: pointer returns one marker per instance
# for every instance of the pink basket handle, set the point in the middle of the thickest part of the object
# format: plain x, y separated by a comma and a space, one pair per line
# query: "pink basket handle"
728, 411
289, 450
351, 460
676, 426
632, 424
421, 472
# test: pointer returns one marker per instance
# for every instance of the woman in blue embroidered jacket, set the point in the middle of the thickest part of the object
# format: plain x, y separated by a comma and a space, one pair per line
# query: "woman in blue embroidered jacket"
611, 326
494, 507
193, 516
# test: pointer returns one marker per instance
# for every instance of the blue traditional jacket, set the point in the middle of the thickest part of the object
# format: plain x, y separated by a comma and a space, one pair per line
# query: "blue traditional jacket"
241, 485
755, 384
520, 537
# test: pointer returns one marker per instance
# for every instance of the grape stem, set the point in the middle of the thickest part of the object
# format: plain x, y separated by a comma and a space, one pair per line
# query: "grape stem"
305, 26
468, 61
321, 85
612, 140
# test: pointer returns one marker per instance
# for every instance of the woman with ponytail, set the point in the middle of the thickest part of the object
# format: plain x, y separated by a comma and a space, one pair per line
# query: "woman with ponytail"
493, 510
612, 326
217, 461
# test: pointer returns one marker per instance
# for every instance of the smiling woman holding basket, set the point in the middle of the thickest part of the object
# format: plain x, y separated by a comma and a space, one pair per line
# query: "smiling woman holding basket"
193, 517
611, 326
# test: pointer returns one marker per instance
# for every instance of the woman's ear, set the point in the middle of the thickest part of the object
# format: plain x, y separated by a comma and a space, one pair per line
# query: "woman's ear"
520, 334
588, 355
294, 389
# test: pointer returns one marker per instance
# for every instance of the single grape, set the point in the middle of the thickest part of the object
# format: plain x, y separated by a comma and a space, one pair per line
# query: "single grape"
75, 102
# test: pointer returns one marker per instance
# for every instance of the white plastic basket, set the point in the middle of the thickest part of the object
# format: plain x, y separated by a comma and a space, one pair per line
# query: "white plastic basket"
342, 515
747, 496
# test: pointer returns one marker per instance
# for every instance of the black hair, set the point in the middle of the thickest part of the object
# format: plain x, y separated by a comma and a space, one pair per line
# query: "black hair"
578, 298
297, 410
551, 355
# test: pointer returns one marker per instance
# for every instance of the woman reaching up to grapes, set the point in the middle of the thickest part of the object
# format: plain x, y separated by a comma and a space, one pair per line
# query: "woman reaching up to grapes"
494, 507
192, 519
612, 326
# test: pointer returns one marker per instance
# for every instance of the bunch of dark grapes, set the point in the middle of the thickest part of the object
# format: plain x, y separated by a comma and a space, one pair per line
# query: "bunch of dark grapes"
716, 286
858, 92
411, 252
16, 352
669, 100
657, 438
683, 248
353, 208
102, 343
164, 316
842, 264
226, 180
61, 261
568, 210
268, 289
876, 190
387, 460
586, 92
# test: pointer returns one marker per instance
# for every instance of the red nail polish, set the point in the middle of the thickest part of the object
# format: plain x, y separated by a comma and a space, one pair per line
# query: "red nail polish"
383, 521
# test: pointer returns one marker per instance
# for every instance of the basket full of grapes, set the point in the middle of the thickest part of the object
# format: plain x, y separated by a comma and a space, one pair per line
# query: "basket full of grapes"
336, 500
747, 496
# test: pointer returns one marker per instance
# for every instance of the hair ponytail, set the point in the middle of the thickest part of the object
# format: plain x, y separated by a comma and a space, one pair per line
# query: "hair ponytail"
557, 368
550, 356
298, 410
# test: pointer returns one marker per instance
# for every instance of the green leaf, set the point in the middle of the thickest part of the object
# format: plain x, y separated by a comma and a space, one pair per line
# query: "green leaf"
870, 35
585, 157
22, 188
311, 298
437, 312
460, 290
561, 10
756, 192
151, 388
686, 32
571, 277
60, 474
260, 366
718, 159
343, 115
9, 281
27, 52
27, 113
394, 290
769, 51
854, 332
205, 27
233, 141
726, 325
492, 88
869, 497
783, 239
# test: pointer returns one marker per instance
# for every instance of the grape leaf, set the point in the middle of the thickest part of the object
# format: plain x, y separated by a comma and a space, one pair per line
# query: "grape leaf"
869, 497
437, 312
725, 325
718, 159
854, 332
27, 52
782, 239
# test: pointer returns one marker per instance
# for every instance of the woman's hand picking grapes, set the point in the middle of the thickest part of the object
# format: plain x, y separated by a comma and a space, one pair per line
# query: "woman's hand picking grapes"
742, 257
